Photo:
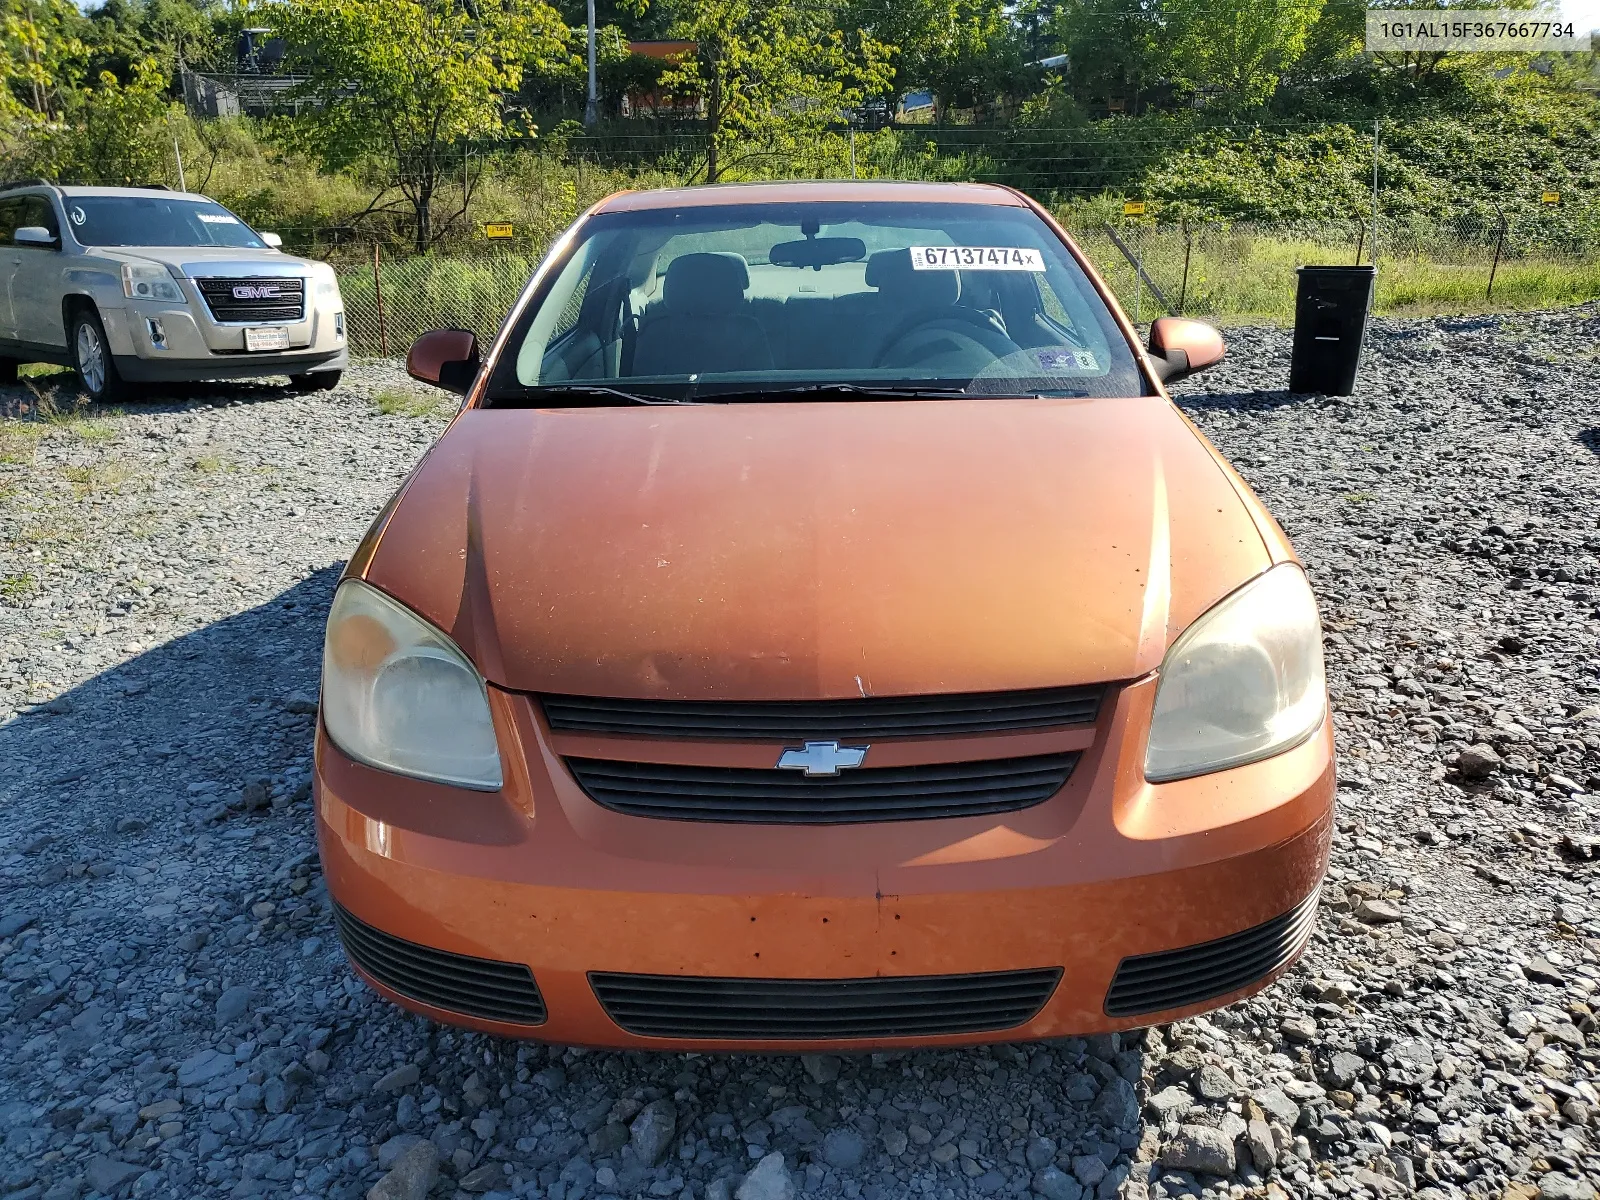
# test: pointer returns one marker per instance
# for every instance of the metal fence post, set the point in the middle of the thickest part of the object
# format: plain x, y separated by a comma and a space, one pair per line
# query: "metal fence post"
377, 295
1361, 240
1188, 248
1499, 244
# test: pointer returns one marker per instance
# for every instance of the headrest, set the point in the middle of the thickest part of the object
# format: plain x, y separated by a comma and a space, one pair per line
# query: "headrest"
891, 273
706, 283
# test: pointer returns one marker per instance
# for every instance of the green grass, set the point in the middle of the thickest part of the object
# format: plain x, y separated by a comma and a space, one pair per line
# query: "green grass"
401, 402
14, 589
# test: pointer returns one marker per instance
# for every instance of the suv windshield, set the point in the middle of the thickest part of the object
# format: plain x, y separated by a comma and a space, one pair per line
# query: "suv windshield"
156, 221
867, 298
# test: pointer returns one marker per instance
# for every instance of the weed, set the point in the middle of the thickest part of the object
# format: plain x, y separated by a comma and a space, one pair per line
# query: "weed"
401, 402
14, 589
212, 463
100, 477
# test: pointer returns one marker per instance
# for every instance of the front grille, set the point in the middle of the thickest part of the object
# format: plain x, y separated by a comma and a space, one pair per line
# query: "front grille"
477, 987
773, 797
1150, 983
680, 1006
288, 305
794, 720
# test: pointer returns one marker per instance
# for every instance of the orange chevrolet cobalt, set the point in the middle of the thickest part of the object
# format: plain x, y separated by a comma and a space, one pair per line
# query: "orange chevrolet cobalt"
818, 628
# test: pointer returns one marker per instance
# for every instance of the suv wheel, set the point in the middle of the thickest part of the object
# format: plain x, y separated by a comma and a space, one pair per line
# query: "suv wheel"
91, 356
320, 381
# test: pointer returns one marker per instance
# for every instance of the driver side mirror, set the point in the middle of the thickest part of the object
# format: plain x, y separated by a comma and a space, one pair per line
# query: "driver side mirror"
1180, 347
34, 235
446, 358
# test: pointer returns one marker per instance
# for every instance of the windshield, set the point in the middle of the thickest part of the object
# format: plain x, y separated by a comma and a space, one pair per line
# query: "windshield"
875, 297
156, 221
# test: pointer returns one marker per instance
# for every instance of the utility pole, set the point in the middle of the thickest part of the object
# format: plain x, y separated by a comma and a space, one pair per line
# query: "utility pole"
591, 112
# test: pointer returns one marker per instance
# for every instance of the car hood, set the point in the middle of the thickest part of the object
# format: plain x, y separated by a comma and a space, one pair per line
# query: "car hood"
201, 262
817, 550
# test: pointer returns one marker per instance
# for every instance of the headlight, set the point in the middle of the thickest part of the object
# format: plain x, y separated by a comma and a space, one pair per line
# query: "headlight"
399, 696
147, 281
1243, 683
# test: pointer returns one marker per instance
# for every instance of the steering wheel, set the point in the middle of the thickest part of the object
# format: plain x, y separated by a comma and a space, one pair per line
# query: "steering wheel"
955, 314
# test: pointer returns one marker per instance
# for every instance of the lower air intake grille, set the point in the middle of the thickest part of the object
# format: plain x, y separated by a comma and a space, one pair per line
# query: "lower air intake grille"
478, 987
679, 1006
795, 720
1150, 983
773, 797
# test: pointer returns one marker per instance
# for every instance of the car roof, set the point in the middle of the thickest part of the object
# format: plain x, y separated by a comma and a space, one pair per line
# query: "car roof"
818, 191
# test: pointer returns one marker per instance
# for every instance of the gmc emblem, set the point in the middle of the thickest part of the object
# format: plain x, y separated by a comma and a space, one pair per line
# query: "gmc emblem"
256, 292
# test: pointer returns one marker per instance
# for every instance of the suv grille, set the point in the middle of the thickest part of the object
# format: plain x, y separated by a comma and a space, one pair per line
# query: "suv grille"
799, 1009
255, 298
478, 987
1148, 983
772, 797
785, 720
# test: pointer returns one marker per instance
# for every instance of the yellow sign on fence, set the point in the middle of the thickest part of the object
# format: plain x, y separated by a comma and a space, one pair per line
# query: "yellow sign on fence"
498, 229
1550, 198
1133, 208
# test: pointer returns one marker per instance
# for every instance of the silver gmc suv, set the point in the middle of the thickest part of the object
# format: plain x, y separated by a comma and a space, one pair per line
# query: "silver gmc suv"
133, 285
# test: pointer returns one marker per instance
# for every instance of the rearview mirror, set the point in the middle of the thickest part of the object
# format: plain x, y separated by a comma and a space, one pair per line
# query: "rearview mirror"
33, 235
817, 253
273, 241
1180, 347
446, 358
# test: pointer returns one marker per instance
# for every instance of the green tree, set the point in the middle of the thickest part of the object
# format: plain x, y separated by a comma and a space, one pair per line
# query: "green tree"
1114, 48
769, 73
964, 51
1233, 52
111, 134
404, 83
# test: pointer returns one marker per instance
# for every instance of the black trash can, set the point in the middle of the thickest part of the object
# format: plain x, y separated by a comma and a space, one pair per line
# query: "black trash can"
1330, 320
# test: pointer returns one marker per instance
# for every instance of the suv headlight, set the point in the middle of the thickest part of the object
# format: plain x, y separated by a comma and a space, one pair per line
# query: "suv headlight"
1243, 683
398, 695
149, 281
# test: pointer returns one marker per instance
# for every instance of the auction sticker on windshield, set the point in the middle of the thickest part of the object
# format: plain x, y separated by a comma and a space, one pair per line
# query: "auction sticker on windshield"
975, 258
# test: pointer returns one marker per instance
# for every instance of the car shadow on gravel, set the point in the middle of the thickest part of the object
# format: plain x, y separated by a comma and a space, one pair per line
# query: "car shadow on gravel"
60, 395
1591, 438
163, 804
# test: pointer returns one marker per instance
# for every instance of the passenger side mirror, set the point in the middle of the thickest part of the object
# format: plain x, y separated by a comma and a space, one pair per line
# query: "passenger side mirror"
273, 241
1180, 347
446, 358
34, 235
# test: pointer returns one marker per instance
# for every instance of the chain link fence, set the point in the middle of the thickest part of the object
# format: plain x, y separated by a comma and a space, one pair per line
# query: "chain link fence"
1225, 271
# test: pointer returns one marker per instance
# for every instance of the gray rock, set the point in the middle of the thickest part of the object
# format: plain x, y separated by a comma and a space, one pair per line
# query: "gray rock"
1089, 1169
1344, 1068
411, 1177
769, 1180
1559, 1186
398, 1079
1040, 1152
843, 1148
1377, 912
233, 1004
1277, 1106
1170, 1103
389, 1153
1117, 1105
1263, 1147
14, 923
652, 1130
1054, 1184
1212, 1084
1478, 762
1201, 1150
202, 1067
106, 1174
823, 1068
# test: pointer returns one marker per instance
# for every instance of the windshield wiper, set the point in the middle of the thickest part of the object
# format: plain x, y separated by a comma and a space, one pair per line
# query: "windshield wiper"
597, 394
847, 390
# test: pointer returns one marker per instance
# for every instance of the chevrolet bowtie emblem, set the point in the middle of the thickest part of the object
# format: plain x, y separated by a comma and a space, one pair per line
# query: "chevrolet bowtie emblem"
822, 758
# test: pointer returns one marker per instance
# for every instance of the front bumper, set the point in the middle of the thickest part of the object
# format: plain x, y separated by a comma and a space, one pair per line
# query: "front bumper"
232, 366
1109, 868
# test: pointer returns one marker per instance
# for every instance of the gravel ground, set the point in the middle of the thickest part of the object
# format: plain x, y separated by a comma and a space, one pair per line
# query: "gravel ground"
176, 1019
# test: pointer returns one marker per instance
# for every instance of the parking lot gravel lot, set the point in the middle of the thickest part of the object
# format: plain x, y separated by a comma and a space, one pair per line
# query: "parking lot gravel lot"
176, 1019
